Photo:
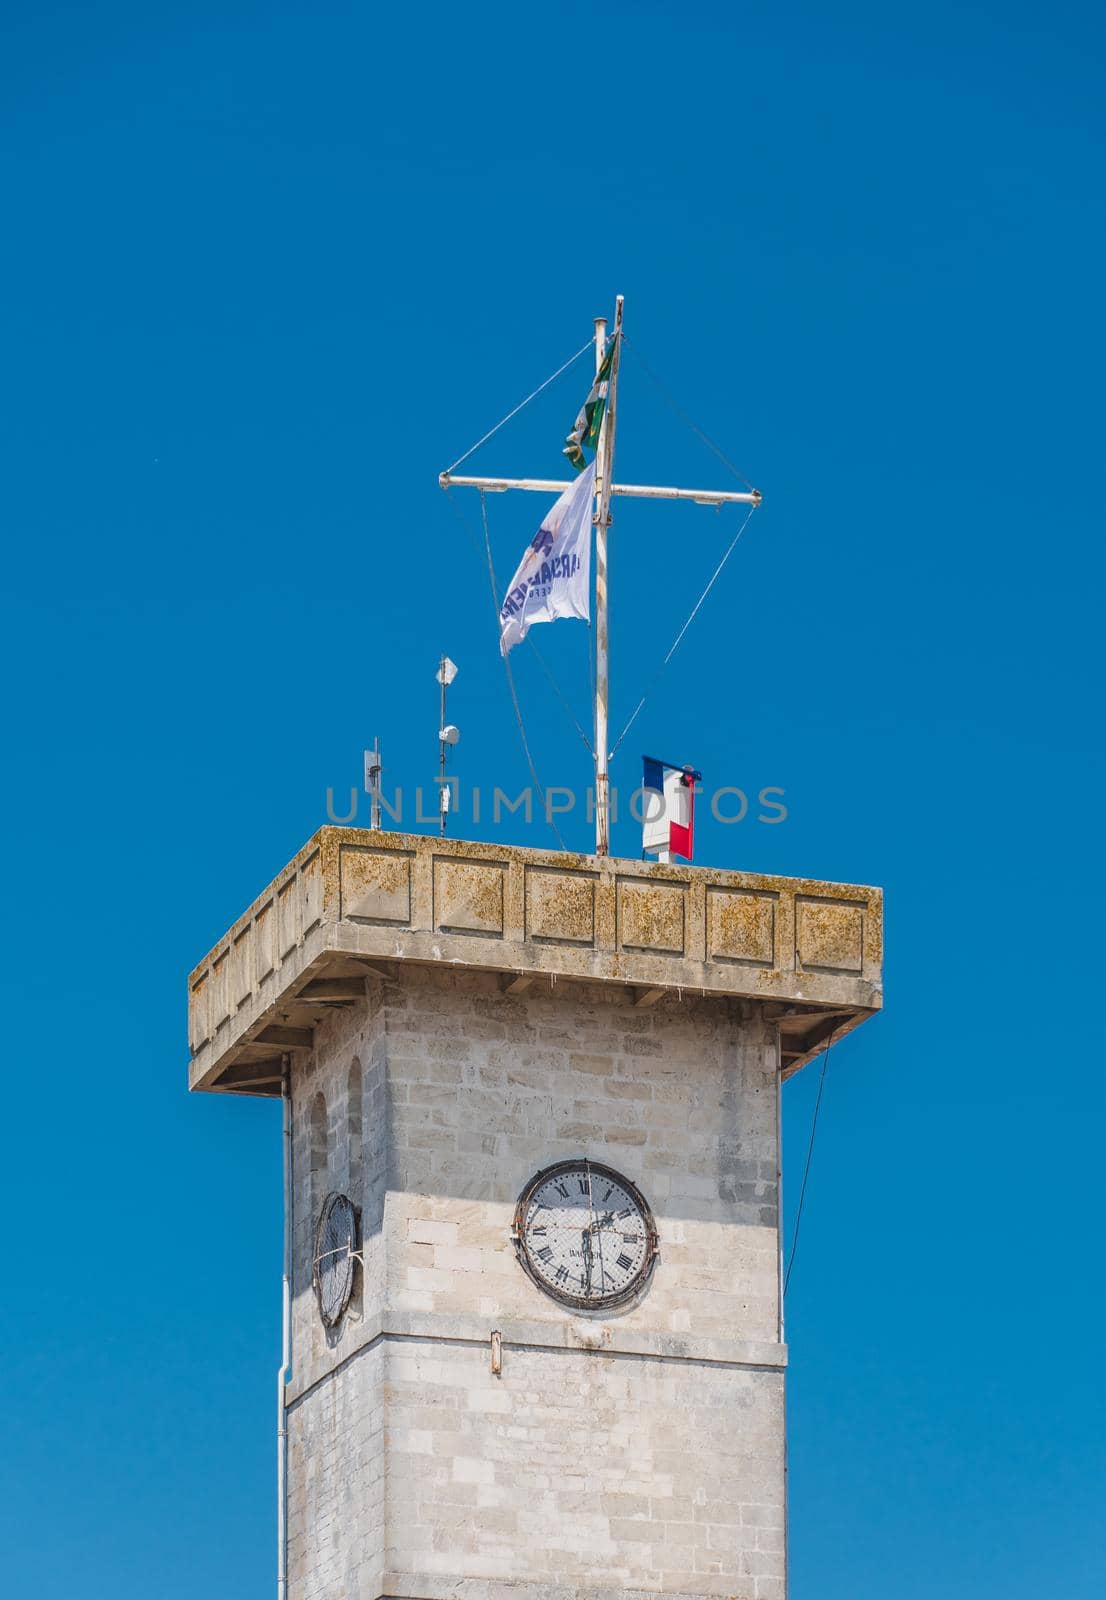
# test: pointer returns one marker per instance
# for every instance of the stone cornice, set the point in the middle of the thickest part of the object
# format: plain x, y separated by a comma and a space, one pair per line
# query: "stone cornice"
580, 1334
353, 902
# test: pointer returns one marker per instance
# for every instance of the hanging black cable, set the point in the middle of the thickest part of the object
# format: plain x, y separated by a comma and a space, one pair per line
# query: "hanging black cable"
806, 1168
487, 555
511, 678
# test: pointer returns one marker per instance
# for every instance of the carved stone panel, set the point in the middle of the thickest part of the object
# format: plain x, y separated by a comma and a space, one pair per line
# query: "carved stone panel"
652, 916
741, 926
468, 896
829, 935
375, 885
560, 906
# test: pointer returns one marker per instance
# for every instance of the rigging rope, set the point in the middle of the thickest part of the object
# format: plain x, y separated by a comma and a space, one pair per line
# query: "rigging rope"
806, 1168
676, 642
511, 676
559, 692
590, 345
727, 463
671, 400
541, 659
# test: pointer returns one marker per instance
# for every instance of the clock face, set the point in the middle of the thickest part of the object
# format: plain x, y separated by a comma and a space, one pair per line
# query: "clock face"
585, 1235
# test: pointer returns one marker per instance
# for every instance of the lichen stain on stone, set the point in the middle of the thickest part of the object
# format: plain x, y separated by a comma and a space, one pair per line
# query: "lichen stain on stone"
595, 920
560, 906
469, 895
653, 917
831, 935
742, 926
375, 884
487, 903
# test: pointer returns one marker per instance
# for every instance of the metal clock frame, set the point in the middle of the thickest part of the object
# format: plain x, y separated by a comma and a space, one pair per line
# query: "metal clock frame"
640, 1281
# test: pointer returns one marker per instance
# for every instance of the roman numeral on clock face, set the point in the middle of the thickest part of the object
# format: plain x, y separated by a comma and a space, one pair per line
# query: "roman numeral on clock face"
545, 1253
625, 1261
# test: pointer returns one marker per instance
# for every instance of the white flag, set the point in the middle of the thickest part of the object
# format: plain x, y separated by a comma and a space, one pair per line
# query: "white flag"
554, 576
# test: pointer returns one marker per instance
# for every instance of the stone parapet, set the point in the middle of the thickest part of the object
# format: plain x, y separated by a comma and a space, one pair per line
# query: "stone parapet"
352, 902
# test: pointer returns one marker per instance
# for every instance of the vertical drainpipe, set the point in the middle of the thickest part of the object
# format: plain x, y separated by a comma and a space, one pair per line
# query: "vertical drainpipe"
781, 1331
285, 1335
779, 1302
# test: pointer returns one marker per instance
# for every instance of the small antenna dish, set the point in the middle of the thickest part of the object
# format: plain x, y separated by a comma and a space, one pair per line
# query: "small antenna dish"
449, 734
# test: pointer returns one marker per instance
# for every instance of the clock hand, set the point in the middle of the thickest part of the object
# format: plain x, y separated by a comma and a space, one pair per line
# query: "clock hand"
602, 1274
587, 1260
593, 1227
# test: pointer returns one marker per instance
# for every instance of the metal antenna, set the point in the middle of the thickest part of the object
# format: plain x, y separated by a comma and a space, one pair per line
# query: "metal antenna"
447, 735
373, 769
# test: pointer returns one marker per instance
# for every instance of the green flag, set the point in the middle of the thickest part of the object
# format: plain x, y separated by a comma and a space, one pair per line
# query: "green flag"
586, 428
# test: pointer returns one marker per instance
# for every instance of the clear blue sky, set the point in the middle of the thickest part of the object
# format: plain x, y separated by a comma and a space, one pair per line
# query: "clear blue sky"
267, 269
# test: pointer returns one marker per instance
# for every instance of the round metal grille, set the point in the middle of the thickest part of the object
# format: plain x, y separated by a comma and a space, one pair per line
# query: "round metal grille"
335, 1243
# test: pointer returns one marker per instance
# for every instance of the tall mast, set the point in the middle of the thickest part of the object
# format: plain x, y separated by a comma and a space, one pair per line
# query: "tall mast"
605, 487
604, 472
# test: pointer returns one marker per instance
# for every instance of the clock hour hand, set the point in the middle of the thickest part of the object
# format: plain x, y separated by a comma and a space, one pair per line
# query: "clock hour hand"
587, 1260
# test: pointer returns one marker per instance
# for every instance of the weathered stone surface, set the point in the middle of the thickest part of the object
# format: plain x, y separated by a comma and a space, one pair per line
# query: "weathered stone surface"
830, 935
375, 887
618, 1452
741, 926
550, 916
560, 906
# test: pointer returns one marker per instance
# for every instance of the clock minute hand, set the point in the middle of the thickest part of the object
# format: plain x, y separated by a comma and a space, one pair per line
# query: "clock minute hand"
593, 1227
597, 1228
587, 1259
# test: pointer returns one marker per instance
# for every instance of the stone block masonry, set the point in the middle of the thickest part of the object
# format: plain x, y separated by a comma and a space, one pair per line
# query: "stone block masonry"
810, 952
637, 1450
453, 1018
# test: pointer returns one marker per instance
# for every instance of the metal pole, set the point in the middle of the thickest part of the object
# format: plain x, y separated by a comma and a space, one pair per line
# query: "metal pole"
640, 491
781, 1331
441, 751
372, 781
601, 668
604, 470
285, 1335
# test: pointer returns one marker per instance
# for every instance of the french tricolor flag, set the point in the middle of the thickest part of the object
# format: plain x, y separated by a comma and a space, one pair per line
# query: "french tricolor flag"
668, 828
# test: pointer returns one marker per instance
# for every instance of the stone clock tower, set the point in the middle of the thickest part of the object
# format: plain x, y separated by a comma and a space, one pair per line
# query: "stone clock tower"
533, 1105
